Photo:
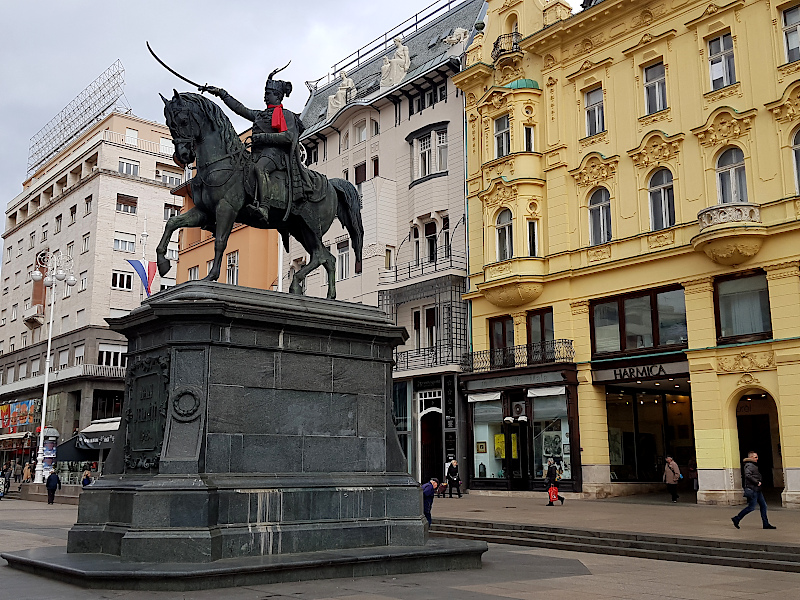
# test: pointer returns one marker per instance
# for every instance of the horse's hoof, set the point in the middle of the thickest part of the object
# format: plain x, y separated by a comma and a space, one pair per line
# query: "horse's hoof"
163, 265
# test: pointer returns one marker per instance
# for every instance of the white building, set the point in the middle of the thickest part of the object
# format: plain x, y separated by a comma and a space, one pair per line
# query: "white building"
90, 200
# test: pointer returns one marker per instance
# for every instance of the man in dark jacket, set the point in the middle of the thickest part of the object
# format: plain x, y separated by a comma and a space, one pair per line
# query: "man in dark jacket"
453, 479
428, 492
53, 483
552, 478
753, 492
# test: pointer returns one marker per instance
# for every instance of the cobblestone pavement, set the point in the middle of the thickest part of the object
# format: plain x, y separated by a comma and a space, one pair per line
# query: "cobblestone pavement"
509, 571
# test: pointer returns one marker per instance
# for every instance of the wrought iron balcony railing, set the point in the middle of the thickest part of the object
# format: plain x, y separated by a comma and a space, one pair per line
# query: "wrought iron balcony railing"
423, 358
444, 259
540, 353
508, 42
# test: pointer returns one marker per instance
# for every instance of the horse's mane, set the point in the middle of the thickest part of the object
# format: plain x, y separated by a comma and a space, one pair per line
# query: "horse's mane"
214, 113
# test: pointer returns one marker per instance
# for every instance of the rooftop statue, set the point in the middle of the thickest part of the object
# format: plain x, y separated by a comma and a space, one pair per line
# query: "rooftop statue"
394, 69
266, 186
346, 92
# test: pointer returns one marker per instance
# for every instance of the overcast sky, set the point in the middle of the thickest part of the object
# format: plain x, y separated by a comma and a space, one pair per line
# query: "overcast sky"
51, 50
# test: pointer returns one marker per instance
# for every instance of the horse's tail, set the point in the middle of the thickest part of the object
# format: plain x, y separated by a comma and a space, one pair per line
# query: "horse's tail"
349, 214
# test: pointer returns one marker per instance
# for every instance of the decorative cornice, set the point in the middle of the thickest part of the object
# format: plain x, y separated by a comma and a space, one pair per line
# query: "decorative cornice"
712, 10
662, 115
595, 169
698, 286
786, 108
656, 148
723, 125
782, 270
649, 38
588, 65
598, 138
580, 307
722, 93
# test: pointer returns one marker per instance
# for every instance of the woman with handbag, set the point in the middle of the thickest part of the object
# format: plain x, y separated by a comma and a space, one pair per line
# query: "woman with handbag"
672, 475
552, 483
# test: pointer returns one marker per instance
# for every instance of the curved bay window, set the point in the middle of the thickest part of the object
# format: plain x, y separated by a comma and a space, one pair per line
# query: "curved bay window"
505, 236
742, 306
731, 177
796, 156
662, 200
600, 217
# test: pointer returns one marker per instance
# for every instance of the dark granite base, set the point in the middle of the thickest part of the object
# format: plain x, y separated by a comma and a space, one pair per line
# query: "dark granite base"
104, 571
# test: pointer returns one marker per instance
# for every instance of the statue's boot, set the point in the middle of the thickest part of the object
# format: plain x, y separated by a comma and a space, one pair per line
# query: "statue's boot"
262, 194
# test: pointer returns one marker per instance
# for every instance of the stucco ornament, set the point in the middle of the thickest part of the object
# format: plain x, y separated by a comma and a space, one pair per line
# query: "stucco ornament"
746, 361
594, 170
347, 90
786, 109
394, 69
655, 151
515, 292
723, 127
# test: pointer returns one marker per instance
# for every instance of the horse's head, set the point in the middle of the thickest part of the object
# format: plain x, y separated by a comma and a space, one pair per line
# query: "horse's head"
184, 127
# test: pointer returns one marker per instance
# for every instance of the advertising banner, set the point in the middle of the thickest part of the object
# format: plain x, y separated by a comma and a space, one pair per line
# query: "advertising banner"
5, 415
21, 413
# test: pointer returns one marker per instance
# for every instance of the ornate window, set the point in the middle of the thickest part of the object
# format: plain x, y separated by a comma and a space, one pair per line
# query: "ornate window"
796, 156
655, 88
502, 136
731, 177
662, 201
720, 61
424, 156
600, 217
595, 118
742, 307
505, 236
791, 35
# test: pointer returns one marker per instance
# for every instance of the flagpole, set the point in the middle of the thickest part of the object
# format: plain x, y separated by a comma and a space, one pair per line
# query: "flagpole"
144, 257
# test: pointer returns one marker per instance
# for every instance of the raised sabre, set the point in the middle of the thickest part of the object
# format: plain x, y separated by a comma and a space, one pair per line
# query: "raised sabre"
173, 71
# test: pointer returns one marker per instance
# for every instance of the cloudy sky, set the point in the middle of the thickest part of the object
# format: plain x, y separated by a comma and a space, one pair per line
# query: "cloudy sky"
51, 49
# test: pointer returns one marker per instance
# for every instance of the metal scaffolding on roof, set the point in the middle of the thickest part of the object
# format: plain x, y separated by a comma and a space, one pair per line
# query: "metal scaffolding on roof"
101, 97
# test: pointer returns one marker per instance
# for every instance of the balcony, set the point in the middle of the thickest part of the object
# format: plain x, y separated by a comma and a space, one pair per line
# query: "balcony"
33, 317
426, 358
730, 234
147, 146
444, 260
506, 43
63, 374
514, 357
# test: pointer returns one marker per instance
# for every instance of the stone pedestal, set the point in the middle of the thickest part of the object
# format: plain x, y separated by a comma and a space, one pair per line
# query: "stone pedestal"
255, 423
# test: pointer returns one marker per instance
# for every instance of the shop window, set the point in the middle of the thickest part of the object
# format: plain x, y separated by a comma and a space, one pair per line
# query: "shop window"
599, 217
720, 62
106, 404
550, 435
742, 306
595, 117
655, 88
662, 200
791, 22
505, 236
487, 431
639, 322
401, 402
731, 177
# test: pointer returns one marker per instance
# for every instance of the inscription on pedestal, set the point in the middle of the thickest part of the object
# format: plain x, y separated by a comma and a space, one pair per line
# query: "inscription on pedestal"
146, 414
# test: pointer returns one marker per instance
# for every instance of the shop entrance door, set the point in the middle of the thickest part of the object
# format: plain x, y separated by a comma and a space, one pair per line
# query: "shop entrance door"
754, 434
432, 449
517, 456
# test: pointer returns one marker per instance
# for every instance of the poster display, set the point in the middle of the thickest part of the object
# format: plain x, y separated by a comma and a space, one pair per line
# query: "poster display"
17, 413
50, 444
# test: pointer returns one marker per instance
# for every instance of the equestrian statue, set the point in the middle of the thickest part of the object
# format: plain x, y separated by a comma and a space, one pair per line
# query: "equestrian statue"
266, 186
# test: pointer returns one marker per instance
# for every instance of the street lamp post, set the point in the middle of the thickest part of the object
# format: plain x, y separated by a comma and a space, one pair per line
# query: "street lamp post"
57, 267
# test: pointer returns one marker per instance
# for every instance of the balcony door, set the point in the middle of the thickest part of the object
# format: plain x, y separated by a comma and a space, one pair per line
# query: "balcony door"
502, 341
540, 332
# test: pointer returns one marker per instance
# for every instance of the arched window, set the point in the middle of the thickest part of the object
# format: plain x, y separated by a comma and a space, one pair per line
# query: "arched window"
662, 202
599, 217
731, 178
796, 155
505, 237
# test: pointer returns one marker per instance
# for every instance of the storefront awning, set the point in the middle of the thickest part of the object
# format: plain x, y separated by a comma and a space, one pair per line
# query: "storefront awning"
555, 390
99, 435
14, 436
69, 452
483, 397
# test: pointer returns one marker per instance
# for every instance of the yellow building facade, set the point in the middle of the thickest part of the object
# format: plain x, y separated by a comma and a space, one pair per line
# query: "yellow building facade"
632, 180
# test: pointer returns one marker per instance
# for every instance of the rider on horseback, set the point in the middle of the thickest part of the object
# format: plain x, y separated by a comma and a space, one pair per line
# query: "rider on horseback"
281, 178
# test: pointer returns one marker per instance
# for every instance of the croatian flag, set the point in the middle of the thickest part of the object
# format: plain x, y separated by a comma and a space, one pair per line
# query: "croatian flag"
146, 270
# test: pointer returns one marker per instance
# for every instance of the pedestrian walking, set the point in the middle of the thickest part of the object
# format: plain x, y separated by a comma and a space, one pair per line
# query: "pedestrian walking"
17, 472
26, 473
7, 475
551, 480
672, 475
753, 492
453, 479
53, 483
428, 492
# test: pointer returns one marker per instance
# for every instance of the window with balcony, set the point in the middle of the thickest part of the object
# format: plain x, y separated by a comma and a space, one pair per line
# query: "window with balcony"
430, 239
79, 353
36, 367
540, 326
731, 177
131, 136
502, 136
120, 280
128, 167
360, 132
791, 37
112, 355
505, 235
417, 318
415, 237
171, 179
127, 204
662, 201
166, 146
595, 116
720, 62
742, 306
342, 260
232, 275
170, 210
446, 235
124, 242
599, 217
655, 88
501, 341
639, 322
430, 327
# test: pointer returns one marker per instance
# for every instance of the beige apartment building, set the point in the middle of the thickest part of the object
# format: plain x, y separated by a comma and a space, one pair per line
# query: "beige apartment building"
402, 146
91, 200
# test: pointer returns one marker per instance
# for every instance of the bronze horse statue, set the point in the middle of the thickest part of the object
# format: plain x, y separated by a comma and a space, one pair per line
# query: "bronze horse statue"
224, 189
